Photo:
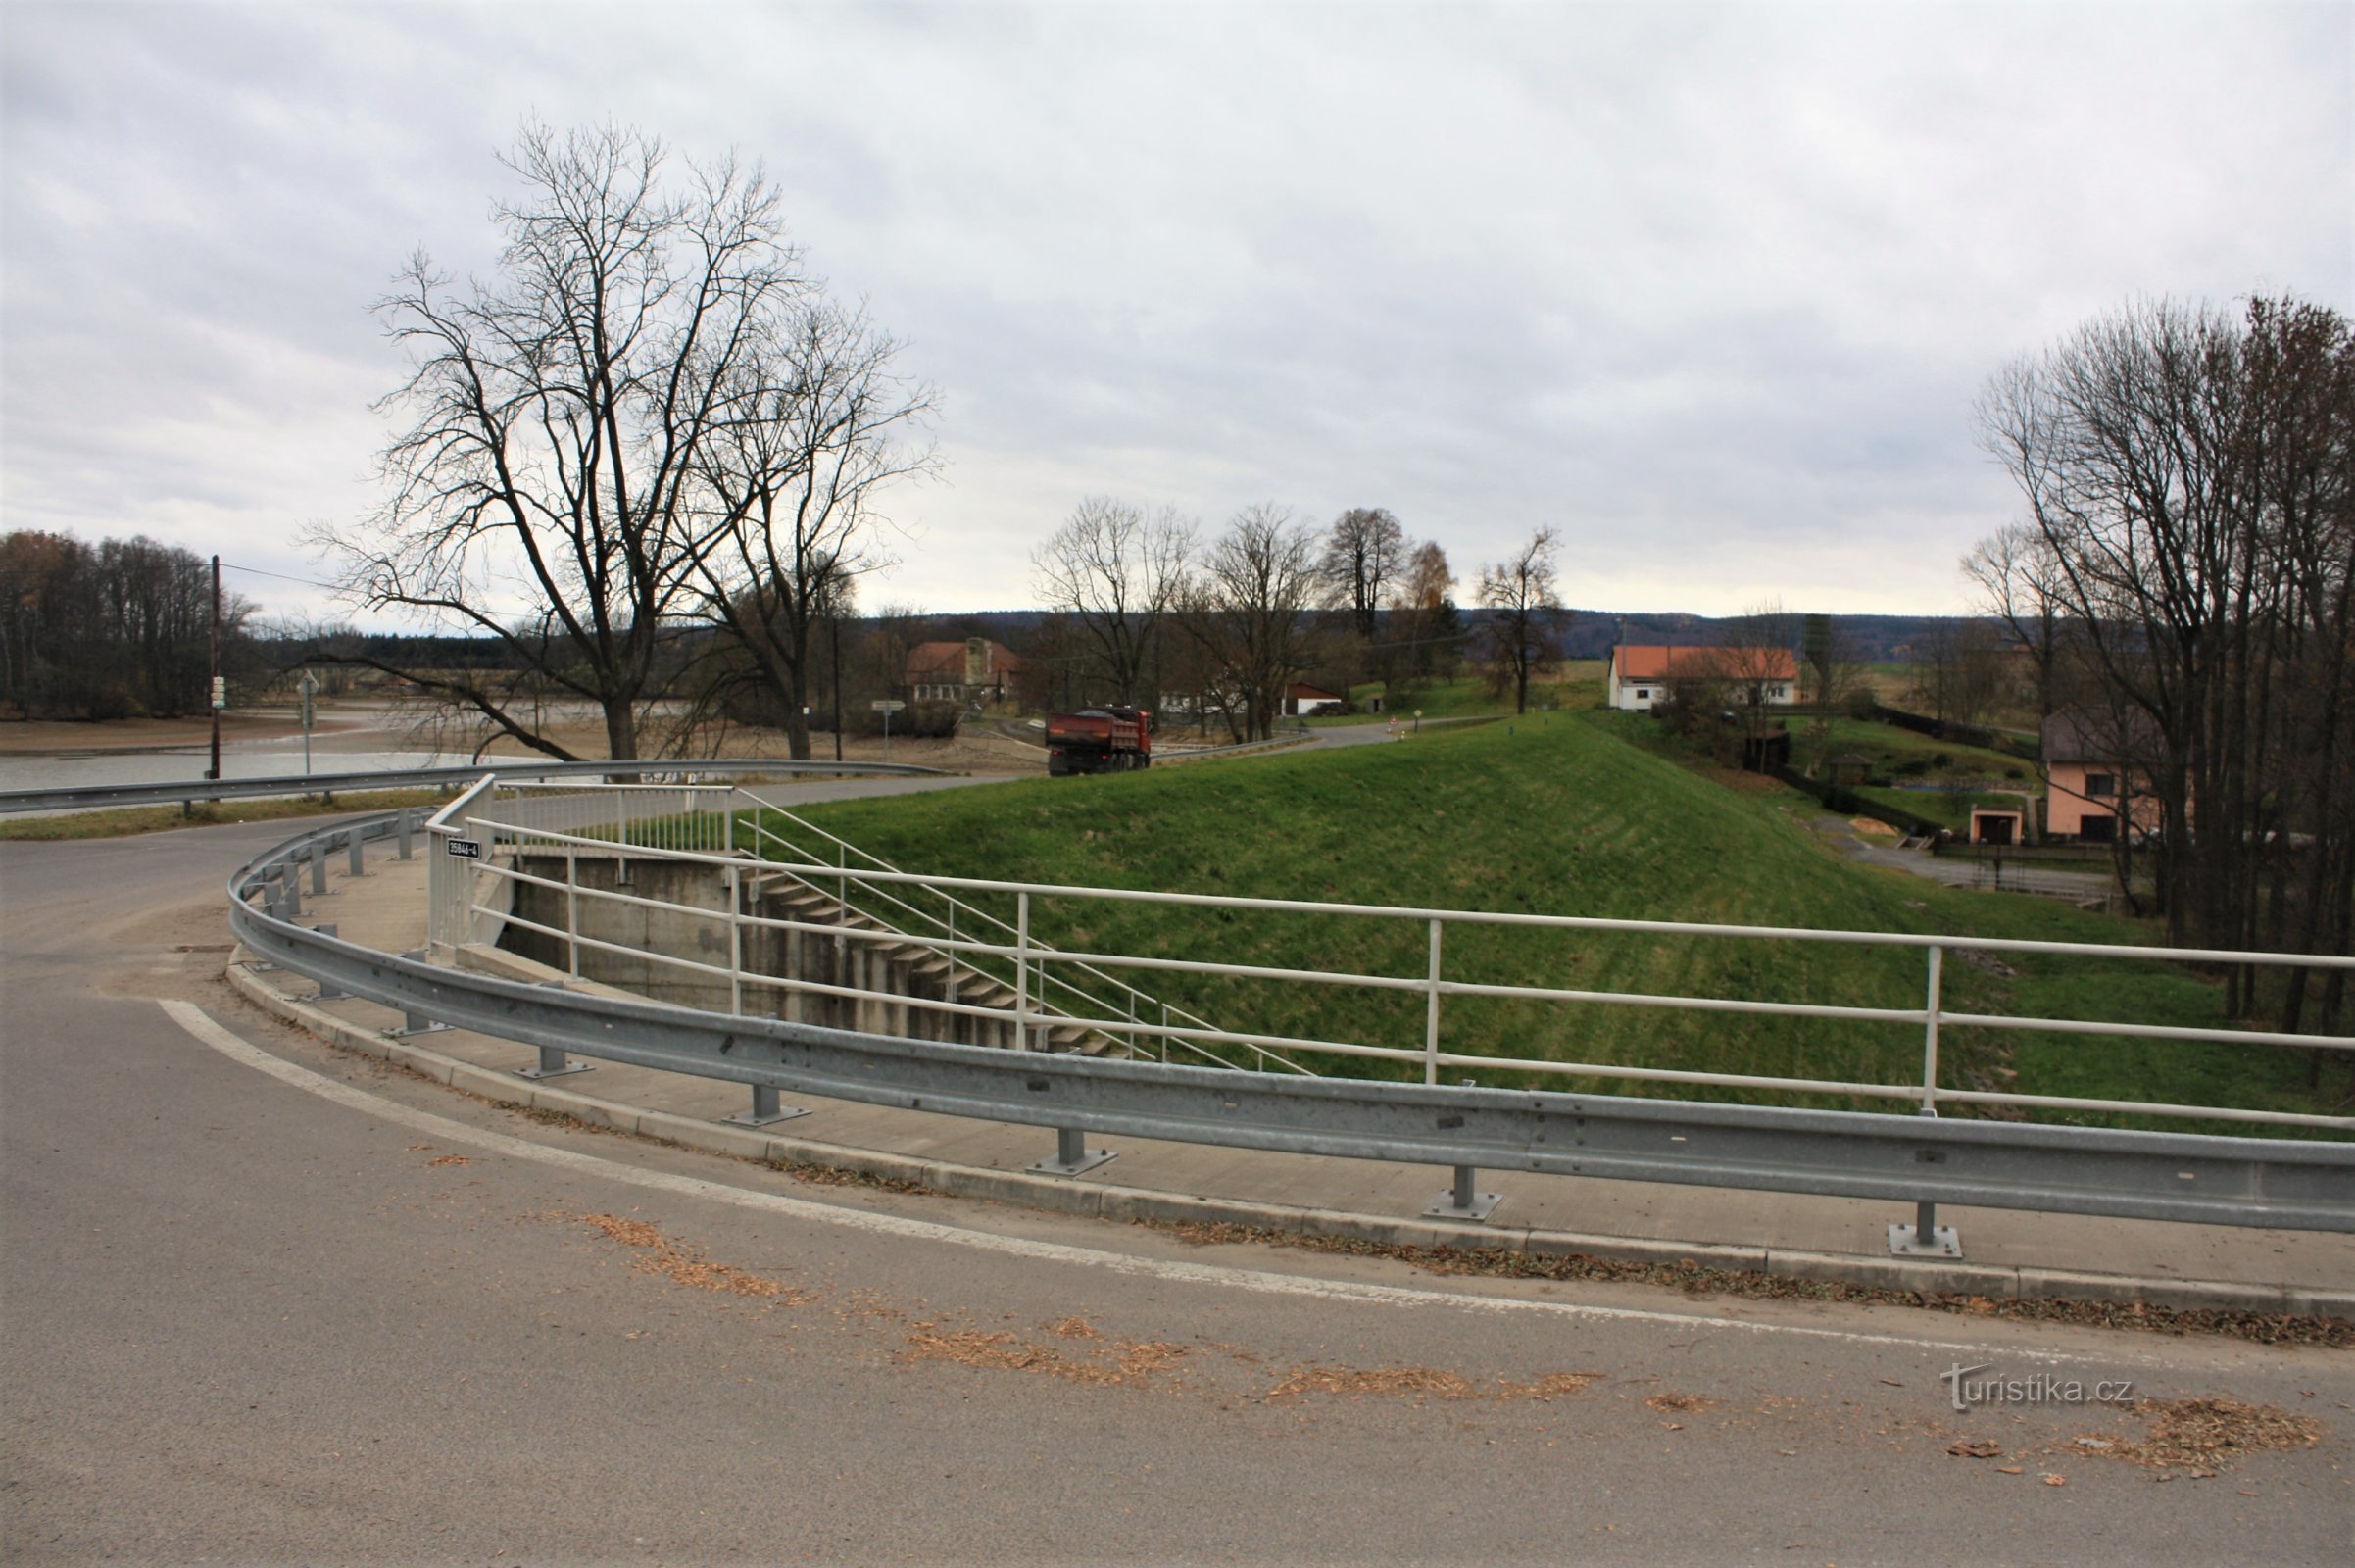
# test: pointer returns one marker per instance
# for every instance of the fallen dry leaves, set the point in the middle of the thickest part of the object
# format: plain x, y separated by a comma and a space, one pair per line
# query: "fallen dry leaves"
1151, 1362
2208, 1435
1694, 1277
682, 1266
1419, 1383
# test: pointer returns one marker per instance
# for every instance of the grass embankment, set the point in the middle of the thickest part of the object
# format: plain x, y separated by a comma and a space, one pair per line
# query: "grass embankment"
1578, 683
206, 813
1558, 815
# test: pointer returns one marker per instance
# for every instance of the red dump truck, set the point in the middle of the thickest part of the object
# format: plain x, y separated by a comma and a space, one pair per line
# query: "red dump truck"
1098, 740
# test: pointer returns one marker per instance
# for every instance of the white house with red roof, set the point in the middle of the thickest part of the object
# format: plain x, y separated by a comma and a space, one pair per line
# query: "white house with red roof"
1643, 675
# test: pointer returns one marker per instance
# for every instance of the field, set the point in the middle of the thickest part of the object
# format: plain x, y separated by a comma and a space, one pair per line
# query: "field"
1557, 814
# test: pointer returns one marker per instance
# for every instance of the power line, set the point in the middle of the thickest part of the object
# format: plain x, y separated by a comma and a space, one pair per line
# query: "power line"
257, 571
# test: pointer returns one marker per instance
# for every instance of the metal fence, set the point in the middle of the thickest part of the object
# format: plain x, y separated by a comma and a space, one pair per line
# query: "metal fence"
1915, 1158
501, 823
1034, 965
83, 797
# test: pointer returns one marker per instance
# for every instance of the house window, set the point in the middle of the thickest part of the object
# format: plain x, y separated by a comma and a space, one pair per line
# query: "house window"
2101, 786
1643, 694
2099, 829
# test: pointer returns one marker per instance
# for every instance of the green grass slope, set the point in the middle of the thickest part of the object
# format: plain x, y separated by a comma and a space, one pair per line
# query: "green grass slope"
1556, 815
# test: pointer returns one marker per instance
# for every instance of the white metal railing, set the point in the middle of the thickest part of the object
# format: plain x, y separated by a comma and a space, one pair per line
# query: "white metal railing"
1073, 984
1030, 959
725, 821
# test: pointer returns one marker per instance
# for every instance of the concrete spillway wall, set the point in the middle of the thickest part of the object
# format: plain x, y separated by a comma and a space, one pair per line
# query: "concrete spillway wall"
686, 917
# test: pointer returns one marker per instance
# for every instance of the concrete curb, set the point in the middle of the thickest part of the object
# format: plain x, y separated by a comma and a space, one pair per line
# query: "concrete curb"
1122, 1205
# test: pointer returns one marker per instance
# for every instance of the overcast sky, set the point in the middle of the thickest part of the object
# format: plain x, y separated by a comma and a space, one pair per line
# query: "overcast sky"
1710, 289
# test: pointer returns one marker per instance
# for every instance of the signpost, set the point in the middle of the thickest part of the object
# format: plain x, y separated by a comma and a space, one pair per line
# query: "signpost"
887, 705
309, 687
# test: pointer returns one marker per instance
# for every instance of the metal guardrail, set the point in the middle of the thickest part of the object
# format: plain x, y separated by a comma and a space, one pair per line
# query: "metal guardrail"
1432, 986
100, 797
1925, 1160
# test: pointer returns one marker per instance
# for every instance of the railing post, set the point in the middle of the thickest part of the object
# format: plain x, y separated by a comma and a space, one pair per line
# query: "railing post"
1937, 967
1430, 1012
1022, 971
1925, 1237
736, 942
406, 826
572, 912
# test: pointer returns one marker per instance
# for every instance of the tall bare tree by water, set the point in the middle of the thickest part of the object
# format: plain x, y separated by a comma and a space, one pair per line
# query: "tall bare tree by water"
1525, 615
548, 483
818, 422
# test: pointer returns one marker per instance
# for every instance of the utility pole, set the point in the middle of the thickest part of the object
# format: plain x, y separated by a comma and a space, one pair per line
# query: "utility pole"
216, 696
835, 623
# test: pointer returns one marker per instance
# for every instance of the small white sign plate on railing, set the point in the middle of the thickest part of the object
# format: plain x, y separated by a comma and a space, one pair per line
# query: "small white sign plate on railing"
466, 849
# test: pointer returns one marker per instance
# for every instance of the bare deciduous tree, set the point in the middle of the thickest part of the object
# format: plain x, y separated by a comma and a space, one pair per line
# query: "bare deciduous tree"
1363, 556
816, 423
548, 489
1114, 569
1247, 611
2189, 473
2021, 583
1525, 614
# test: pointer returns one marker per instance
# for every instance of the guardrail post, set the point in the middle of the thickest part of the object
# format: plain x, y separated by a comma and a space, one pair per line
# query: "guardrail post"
1462, 1201
1072, 1154
290, 888
766, 1111
328, 991
406, 825
553, 1063
414, 1022
317, 855
355, 866
1430, 1012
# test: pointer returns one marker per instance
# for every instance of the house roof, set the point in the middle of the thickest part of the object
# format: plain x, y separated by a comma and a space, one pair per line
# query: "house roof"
1669, 661
2073, 735
946, 661
1300, 690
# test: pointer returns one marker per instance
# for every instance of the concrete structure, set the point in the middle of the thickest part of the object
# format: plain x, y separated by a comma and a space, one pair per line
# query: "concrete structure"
1643, 675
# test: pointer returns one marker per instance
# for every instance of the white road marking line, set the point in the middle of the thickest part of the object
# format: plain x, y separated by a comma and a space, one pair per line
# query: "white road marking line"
197, 1023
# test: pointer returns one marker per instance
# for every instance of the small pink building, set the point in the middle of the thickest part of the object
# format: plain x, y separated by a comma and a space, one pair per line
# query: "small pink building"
2088, 781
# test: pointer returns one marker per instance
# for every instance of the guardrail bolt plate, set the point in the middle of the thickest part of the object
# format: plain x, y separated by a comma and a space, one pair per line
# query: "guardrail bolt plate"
554, 1064
766, 1111
1462, 1201
1072, 1154
1924, 1237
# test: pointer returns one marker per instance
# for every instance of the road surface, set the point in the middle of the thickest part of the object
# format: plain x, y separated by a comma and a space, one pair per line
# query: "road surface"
267, 1302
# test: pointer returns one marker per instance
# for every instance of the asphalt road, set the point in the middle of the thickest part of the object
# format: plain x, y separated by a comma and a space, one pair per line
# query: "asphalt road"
267, 1303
